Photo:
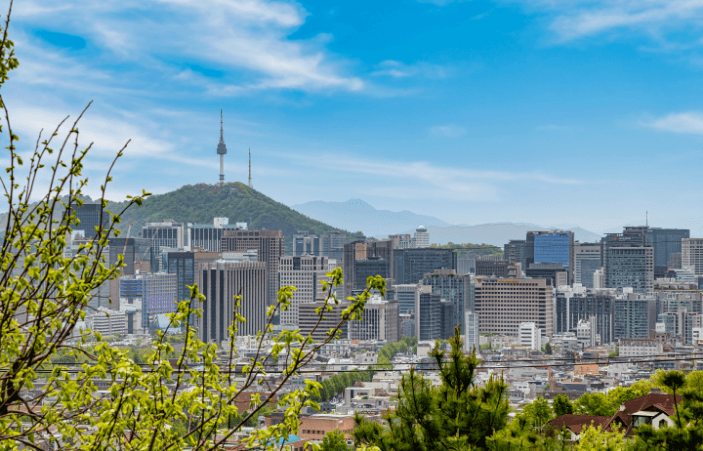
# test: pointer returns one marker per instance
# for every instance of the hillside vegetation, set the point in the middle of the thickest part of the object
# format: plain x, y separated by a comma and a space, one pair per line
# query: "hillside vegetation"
470, 248
201, 203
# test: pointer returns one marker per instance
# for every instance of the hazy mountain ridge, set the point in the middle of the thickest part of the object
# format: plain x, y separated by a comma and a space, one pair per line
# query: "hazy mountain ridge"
356, 214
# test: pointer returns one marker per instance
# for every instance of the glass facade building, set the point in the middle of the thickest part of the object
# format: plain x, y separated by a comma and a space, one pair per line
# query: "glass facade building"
630, 267
634, 316
411, 265
570, 308
453, 288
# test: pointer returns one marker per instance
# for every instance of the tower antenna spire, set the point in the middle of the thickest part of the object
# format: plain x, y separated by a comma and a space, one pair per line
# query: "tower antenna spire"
222, 151
250, 185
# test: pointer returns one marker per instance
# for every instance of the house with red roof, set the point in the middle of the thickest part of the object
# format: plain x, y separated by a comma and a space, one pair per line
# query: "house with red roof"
656, 409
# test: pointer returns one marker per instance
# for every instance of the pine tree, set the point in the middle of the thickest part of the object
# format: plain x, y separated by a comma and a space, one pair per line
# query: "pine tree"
456, 415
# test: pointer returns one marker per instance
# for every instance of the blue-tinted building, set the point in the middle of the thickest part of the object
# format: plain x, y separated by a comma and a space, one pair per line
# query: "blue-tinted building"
454, 288
551, 247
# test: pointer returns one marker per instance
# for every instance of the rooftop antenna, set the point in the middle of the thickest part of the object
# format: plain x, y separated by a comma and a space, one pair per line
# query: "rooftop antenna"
647, 218
250, 185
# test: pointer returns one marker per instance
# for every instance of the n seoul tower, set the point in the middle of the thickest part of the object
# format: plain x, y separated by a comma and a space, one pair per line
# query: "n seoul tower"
222, 151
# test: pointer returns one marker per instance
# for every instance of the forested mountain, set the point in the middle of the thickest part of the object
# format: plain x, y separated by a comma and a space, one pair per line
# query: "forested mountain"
236, 201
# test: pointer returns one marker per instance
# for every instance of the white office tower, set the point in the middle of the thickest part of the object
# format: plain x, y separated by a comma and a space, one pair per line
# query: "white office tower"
305, 273
422, 237
471, 337
530, 336
692, 254
586, 333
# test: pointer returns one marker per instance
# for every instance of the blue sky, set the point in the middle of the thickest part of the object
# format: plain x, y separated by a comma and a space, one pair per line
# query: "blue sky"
549, 112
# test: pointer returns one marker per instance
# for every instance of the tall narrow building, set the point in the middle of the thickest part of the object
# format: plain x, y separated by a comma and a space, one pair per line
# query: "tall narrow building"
222, 151
268, 243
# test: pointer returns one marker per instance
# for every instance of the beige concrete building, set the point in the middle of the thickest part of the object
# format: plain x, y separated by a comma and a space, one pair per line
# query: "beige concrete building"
222, 280
269, 245
502, 304
304, 273
692, 254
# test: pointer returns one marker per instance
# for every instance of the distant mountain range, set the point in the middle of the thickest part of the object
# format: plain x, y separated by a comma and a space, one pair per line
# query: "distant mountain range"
358, 215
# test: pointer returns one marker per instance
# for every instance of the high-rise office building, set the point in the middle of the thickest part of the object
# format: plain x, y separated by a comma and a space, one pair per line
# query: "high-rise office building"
89, 217
692, 254
332, 245
555, 273
635, 315
421, 239
363, 250
630, 236
665, 243
630, 266
156, 293
380, 321
587, 260
220, 281
502, 304
517, 248
405, 295
209, 236
370, 267
579, 303
471, 335
411, 265
306, 243
308, 320
401, 241
164, 234
428, 314
268, 243
556, 246
454, 288
305, 274
491, 265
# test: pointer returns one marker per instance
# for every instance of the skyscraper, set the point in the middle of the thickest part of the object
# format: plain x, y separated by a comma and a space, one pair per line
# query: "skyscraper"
305, 274
630, 266
268, 243
502, 304
587, 260
692, 254
411, 265
89, 217
665, 243
519, 248
556, 246
635, 315
422, 237
454, 288
222, 151
362, 250
220, 281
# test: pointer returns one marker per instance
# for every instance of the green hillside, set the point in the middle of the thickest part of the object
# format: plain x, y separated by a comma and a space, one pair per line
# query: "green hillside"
201, 203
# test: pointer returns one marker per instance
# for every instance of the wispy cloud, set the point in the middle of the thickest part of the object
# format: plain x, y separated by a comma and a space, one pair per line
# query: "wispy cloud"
398, 69
420, 179
246, 35
447, 131
575, 19
688, 122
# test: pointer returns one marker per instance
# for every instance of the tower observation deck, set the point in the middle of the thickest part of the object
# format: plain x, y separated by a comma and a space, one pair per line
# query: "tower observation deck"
222, 151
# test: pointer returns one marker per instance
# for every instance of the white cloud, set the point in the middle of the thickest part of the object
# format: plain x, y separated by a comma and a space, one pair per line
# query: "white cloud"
688, 122
573, 19
247, 40
419, 179
447, 131
398, 69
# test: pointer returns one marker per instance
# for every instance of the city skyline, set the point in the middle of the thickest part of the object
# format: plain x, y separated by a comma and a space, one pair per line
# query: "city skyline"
526, 112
